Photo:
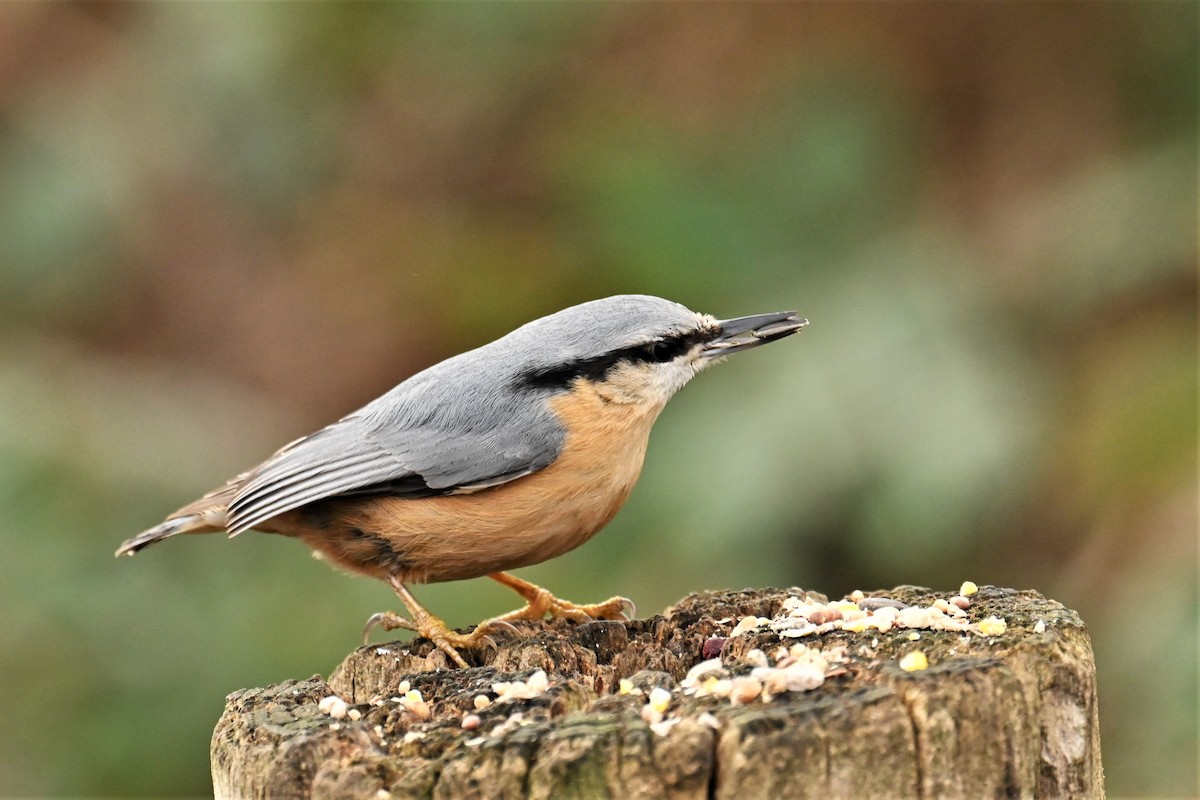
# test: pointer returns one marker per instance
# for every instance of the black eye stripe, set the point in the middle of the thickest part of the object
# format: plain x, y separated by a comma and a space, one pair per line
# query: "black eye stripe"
658, 351
661, 350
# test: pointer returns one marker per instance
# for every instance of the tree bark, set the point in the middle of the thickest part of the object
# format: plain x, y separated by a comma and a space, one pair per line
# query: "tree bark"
1011, 714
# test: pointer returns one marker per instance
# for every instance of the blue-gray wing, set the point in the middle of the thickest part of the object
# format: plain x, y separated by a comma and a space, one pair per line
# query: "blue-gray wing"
409, 443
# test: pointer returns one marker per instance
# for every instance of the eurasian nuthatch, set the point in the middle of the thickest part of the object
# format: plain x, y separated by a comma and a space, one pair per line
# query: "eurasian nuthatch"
498, 458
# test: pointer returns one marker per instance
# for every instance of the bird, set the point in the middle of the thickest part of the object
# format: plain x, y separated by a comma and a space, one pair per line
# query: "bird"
498, 458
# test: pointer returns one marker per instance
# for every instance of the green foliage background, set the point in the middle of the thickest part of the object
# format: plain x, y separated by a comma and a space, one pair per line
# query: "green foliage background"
222, 226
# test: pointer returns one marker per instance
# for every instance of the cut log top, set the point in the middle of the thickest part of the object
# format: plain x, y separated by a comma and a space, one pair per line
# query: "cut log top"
768, 693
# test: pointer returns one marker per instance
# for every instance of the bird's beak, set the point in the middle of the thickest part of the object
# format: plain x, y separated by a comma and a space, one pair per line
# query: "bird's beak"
743, 333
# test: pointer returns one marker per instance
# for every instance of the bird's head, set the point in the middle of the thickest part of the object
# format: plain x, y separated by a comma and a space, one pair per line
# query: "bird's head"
636, 348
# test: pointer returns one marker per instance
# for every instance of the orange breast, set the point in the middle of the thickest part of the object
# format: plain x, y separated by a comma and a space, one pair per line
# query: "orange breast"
516, 524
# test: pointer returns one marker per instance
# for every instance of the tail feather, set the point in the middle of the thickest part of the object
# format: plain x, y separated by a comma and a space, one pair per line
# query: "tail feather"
191, 523
206, 515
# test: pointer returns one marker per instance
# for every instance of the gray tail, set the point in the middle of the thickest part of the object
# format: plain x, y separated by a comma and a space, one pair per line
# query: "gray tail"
191, 523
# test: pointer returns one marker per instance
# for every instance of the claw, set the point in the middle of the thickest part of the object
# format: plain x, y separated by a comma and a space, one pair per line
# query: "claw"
499, 625
372, 621
621, 609
388, 621
628, 609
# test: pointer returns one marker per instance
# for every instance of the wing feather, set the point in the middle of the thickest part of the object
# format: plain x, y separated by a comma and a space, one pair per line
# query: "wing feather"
282, 482
412, 442
305, 474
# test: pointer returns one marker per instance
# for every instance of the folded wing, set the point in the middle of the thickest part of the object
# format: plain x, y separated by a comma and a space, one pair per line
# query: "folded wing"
399, 448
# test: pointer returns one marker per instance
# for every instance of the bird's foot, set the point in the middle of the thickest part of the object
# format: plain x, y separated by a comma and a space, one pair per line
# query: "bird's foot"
617, 608
433, 628
539, 602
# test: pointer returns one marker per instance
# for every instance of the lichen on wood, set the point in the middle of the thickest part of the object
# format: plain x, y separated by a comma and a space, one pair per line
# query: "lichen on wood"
1011, 715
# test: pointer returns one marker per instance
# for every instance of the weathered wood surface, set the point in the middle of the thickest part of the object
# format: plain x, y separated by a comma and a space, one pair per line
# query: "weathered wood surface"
1012, 715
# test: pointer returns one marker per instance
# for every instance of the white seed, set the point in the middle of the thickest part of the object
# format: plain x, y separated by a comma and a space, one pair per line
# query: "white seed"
887, 612
798, 677
506, 689
1040, 627
916, 617
796, 633
660, 698
354, 714
334, 706
538, 682
695, 675
756, 658
744, 624
481, 702
805, 677
471, 722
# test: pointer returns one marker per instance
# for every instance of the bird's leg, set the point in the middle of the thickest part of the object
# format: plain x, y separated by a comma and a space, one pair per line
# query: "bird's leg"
432, 628
540, 602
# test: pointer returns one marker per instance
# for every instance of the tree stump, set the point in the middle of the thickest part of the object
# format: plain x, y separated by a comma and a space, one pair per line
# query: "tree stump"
768, 693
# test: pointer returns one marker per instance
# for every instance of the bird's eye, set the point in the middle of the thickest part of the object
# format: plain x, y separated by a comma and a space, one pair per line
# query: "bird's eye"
660, 352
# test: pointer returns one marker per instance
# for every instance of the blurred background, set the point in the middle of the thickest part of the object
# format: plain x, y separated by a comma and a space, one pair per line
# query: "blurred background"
223, 226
